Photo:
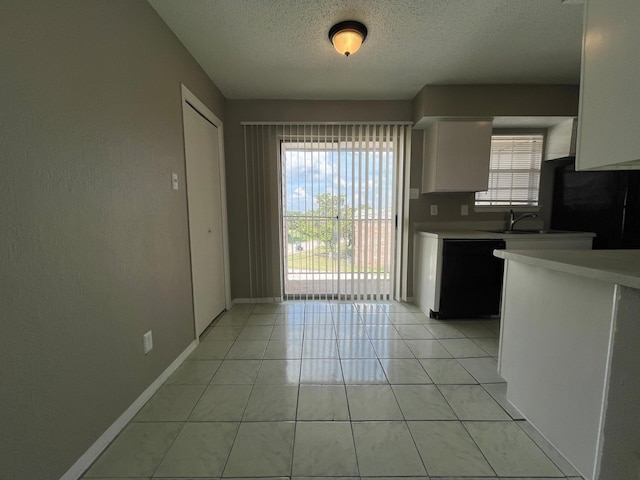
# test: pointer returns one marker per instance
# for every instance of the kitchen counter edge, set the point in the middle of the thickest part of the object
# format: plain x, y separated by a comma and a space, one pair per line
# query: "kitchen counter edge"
479, 234
621, 267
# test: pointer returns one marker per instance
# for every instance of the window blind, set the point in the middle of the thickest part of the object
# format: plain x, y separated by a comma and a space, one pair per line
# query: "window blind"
514, 171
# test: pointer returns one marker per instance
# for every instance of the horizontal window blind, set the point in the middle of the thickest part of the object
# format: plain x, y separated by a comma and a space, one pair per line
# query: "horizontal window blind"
514, 171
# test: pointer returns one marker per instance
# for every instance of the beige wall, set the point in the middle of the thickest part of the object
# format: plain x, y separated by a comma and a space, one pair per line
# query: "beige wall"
94, 248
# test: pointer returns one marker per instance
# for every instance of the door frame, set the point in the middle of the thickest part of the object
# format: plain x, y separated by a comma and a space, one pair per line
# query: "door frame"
400, 193
189, 100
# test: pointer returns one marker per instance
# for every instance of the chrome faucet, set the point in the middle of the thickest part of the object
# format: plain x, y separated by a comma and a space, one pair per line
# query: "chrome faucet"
513, 220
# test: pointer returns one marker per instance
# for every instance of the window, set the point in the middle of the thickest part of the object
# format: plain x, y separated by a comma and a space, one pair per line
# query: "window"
514, 171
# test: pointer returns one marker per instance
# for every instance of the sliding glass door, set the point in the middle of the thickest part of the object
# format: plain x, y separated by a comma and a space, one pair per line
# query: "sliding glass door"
339, 210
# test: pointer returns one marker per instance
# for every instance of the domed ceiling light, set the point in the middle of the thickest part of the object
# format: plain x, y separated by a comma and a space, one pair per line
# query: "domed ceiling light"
347, 36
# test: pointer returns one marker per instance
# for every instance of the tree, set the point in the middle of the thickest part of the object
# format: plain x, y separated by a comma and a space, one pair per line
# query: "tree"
324, 224
295, 228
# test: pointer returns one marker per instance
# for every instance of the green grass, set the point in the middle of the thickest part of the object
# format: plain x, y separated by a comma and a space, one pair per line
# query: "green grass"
320, 260
316, 260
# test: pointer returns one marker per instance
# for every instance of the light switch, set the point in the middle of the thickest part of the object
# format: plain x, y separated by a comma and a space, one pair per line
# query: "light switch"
174, 181
434, 209
414, 193
464, 210
147, 342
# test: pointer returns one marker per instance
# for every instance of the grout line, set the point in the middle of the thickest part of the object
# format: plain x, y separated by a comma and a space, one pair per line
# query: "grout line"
235, 437
295, 430
477, 446
168, 449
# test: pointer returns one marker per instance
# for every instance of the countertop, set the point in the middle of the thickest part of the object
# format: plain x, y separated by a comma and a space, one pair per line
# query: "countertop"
479, 234
620, 267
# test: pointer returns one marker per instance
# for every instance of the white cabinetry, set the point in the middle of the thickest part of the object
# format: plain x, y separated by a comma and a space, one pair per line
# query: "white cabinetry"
561, 140
609, 102
427, 272
456, 156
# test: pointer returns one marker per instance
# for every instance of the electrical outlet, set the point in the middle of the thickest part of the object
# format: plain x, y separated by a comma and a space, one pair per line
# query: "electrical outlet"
174, 181
464, 210
147, 342
434, 209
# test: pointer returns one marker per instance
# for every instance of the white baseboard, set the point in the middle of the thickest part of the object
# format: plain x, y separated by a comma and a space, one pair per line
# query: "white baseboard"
240, 301
85, 461
237, 301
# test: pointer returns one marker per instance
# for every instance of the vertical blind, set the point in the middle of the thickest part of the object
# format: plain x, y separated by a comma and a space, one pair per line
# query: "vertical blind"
322, 202
514, 171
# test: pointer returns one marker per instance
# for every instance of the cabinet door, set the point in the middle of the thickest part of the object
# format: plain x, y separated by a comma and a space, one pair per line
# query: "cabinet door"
609, 101
456, 156
561, 140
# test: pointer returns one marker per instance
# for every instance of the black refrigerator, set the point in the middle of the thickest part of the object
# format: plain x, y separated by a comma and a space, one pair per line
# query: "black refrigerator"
604, 202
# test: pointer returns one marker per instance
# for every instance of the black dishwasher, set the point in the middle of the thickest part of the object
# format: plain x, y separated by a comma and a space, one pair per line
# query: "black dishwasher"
471, 279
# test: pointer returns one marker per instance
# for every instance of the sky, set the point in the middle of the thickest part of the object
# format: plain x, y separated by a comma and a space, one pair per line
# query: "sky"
336, 169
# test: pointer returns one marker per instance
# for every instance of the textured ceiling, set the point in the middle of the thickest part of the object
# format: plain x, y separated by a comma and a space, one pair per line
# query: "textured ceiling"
278, 49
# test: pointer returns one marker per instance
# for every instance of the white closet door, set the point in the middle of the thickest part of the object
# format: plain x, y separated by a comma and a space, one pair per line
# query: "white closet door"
205, 217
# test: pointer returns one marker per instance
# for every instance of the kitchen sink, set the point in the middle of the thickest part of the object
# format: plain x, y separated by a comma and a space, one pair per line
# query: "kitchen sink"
526, 232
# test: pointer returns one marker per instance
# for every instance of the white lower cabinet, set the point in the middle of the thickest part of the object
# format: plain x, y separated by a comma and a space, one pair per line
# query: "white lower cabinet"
427, 269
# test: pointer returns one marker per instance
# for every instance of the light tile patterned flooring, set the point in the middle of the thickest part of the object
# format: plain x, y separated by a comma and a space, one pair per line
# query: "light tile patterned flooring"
324, 389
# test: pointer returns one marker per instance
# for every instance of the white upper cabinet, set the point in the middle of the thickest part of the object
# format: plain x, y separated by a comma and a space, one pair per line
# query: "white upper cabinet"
609, 119
561, 140
456, 156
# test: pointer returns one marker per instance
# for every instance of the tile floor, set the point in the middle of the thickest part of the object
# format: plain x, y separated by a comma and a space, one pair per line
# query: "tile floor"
323, 389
